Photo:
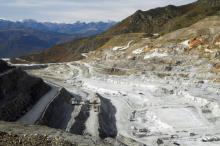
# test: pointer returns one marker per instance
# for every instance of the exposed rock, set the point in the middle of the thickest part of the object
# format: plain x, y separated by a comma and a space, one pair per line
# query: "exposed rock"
79, 125
33, 140
217, 40
18, 93
12, 134
195, 42
107, 120
168, 68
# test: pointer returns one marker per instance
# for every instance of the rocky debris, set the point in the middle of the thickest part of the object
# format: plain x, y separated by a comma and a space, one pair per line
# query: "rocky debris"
168, 68
192, 134
216, 65
18, 93
195, 42
115, 71
211, 139
217, 54
13, 134
127, 141
177, 144
141, 132
159, 141
79, 125
217, 40
107, 120
9, 139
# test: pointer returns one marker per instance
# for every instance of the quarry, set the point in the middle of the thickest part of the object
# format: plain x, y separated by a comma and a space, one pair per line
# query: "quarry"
139, 91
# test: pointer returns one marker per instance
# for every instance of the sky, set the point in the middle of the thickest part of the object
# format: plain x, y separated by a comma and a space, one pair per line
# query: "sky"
68, 11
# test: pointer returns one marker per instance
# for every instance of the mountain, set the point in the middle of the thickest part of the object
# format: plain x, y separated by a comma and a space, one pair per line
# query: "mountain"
77, 29
80, 29
166, 19
159, 20
17, 42
28, 36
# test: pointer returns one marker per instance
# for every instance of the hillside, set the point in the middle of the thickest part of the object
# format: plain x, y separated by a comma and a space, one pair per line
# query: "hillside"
159, 20
17, 42
18, 92
68, 51
166, 19
25, 37
144, 91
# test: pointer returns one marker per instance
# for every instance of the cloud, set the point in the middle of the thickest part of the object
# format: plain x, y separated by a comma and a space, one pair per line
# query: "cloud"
73, 10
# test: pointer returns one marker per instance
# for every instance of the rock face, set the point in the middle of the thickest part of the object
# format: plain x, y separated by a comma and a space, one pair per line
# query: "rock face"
18, 92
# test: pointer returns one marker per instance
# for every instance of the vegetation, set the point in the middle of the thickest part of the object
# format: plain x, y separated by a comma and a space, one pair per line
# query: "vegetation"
159, 20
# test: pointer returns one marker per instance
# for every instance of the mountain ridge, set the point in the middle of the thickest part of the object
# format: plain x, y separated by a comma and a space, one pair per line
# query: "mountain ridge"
23, 38
159, 20
63, 28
